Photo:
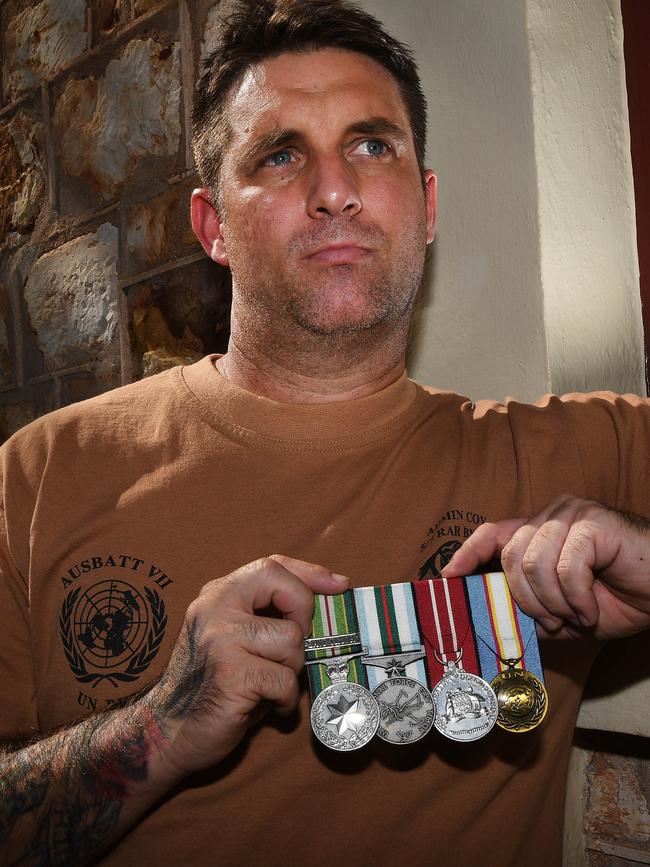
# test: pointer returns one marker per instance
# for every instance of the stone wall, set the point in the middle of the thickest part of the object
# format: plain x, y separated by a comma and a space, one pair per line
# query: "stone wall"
101, 278
616, 799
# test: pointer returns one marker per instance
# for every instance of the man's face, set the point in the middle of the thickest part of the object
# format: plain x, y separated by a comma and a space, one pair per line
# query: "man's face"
324, 218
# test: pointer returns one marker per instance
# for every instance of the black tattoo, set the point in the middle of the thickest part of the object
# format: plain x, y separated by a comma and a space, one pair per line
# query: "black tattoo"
64, 796
79, 832
22, 790
184, 685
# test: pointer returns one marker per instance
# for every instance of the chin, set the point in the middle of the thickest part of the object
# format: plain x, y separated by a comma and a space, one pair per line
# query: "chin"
348, 323
355, 315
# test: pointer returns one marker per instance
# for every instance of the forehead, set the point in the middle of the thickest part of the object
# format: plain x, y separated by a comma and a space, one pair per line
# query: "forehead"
331, 86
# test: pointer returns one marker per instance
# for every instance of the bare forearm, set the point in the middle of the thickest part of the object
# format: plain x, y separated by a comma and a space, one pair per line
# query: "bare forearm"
66, 799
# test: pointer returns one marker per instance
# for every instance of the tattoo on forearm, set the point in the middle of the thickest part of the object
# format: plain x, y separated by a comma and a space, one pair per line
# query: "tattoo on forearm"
66, 794
80, 832
184, 685
22, 789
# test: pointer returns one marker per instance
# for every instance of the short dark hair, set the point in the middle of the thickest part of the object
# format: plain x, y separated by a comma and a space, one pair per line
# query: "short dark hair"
257, 30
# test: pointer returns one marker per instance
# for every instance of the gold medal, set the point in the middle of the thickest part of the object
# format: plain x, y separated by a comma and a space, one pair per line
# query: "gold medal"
521, 698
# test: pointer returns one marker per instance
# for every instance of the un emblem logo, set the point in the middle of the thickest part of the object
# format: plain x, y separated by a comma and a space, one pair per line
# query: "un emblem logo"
437, 562
111, 631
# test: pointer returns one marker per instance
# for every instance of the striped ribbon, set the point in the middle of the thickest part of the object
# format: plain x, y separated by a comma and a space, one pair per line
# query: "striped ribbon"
503, 630
388, 625
445, 625
476, 613
333, 615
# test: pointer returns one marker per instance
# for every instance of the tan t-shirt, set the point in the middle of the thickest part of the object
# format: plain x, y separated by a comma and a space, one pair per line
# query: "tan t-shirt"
128, 503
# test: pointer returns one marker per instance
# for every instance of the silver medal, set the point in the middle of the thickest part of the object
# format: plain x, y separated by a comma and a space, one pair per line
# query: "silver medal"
345, 716
406, 711
466, 706
405, 705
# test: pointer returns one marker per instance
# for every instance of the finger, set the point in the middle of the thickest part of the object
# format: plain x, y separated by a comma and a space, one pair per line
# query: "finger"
269, 681
512, 559
267, 582
318, 578
539, 562
270, 638
575, 566
486, 541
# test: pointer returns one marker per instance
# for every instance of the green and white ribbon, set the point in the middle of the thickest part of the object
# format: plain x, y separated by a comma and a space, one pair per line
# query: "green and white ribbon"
334, 616
388, 625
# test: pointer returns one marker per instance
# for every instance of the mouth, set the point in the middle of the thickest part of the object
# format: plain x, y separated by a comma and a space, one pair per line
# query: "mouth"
343, 253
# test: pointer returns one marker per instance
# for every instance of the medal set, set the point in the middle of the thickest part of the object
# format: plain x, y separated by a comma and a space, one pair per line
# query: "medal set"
398, 660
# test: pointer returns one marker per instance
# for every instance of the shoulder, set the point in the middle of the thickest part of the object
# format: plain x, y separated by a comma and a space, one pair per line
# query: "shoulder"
128, 413
605, 407
586, 415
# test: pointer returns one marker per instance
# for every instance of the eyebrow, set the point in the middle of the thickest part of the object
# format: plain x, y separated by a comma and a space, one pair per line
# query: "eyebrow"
378, 126
268, 143
280, 138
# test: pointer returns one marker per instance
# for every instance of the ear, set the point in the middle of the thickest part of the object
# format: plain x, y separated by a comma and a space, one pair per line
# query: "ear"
207, 225
431, 203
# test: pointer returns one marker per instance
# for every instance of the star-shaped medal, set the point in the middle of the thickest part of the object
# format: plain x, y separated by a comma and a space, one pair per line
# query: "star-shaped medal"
395, 668
346, 716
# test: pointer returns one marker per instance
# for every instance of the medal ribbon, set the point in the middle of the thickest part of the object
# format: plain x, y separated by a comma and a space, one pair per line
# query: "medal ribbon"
505, 632
333, 615
388, 625
445, 625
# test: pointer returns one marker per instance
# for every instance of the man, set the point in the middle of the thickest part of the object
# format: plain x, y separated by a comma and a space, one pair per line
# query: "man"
127, 519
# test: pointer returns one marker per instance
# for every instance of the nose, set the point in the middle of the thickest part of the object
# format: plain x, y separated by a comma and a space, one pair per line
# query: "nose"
333, 189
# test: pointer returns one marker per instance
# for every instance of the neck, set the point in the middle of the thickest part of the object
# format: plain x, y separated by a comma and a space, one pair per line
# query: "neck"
320, 378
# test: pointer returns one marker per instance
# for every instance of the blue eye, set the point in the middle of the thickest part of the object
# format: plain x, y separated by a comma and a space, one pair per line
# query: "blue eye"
375, 147
281, 158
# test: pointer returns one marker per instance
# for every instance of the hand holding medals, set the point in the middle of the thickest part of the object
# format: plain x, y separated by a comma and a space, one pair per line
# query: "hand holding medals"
576, 567
399, 659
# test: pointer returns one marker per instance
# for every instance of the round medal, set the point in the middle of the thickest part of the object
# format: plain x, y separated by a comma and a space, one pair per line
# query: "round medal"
345, 716
465, 706
521, 698
405, 710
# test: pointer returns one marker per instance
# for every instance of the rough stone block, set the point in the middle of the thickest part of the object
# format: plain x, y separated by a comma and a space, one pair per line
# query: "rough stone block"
22, 169
71, 296
183, 314
83, 385
20, 408
14, 416
142, 6
159, 230
6, 367
617, 817
39, 41
110, 16
210, 31
112, 128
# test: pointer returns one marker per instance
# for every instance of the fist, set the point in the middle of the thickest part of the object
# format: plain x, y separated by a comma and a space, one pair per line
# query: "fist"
231, 664
576, 567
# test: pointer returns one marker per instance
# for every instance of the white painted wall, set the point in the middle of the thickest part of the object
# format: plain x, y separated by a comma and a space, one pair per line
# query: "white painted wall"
588, 254
533, 284
485, 261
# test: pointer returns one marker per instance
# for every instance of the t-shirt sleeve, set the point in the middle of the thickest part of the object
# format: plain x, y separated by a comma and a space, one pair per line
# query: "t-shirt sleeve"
612, 434
18, 703
594, 446
22, 459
